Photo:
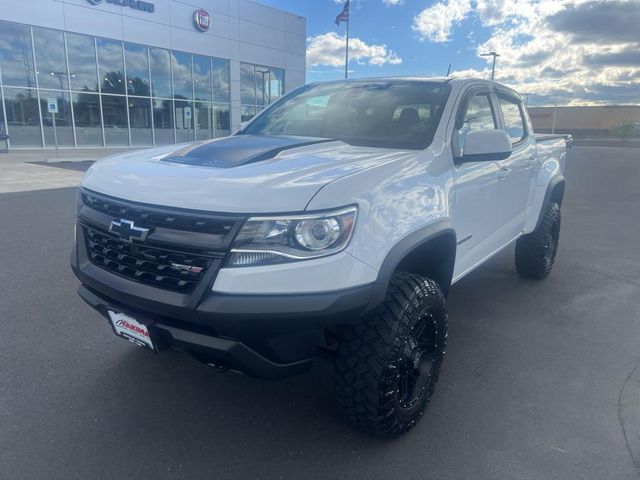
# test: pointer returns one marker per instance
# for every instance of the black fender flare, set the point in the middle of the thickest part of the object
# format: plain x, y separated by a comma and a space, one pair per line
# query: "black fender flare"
419, 238
555, 191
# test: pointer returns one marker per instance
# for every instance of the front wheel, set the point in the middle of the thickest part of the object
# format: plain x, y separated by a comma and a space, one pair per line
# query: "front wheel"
387, 366
536, 251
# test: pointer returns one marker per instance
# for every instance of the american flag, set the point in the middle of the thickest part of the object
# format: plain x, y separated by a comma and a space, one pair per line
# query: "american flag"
343, 16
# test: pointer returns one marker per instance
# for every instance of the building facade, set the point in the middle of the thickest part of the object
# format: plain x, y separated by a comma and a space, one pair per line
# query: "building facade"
92, 73
595, 121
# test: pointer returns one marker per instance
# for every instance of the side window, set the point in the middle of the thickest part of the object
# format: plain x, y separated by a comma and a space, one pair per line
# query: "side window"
479, 116
513, 120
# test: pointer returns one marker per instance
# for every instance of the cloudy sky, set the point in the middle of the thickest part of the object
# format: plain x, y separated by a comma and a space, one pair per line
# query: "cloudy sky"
559, 51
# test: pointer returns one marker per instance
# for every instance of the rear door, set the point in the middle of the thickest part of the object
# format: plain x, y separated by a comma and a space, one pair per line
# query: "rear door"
515, 174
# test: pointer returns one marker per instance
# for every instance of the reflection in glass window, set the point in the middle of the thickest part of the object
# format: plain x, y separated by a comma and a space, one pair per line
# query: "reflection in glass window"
184, 121
82, 63
513, 122
247, 84
276, 87
50, 59
114, 113
137, 65
479, 117
23, 117
16, 55
140, 119
111, 66
163, 121
202, 78
86, 111
182, 82
247, 113
64, 130
220, 77
3, 129
221, 120
160, 72
262, 85
203, 120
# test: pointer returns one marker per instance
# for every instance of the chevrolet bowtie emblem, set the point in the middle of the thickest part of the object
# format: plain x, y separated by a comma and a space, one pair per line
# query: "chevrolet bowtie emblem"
127, 230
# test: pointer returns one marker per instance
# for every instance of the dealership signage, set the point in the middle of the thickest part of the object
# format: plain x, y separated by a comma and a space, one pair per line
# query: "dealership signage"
202, 20
135, 4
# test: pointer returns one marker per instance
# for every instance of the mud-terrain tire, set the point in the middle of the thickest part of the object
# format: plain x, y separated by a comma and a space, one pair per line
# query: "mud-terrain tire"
536, 251
387, 366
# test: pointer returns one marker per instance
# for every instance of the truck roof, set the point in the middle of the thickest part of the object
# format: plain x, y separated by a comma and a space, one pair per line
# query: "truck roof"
454, 81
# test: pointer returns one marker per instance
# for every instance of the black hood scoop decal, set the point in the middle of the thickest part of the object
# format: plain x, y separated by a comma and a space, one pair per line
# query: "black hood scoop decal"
239, 150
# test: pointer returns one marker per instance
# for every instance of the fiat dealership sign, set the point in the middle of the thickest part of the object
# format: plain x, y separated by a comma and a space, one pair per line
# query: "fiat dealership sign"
202, 20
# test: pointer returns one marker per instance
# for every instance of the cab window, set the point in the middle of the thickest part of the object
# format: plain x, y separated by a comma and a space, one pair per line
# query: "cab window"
479, 116
513, 119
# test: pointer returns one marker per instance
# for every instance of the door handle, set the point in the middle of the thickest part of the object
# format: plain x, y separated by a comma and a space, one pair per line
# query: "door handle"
503, 172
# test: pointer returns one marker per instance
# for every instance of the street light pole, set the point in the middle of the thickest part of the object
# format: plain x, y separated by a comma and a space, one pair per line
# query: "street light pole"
493, 67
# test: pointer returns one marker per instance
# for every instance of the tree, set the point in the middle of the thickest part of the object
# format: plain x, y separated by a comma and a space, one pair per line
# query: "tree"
624, 130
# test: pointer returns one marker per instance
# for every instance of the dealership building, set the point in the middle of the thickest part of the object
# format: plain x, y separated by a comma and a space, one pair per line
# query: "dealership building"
114, 73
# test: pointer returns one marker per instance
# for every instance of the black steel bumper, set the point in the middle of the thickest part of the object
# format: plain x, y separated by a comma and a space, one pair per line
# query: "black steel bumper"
266, 336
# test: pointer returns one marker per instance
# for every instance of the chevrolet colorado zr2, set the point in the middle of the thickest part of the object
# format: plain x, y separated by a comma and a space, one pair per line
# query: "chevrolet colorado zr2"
336, 220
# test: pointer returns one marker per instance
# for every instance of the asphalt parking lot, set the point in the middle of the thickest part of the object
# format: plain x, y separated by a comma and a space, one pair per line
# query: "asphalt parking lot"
540, 379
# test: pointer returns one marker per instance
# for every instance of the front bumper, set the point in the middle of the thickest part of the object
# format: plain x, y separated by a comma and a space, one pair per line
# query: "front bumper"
267, 336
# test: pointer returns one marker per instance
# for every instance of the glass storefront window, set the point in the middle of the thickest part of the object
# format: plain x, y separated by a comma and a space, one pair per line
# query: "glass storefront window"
137, 65
182, 81
203, 118
51, 63
248, 112
110, 66
82, 62
160, 72
262, 86
16, 55
259, 86
86, 111
184, 121
202, 78
220, 78
23, 117
247, 84
140, 119
64, 129
163, 121
114, 115
3, 129
276, 87
221, 120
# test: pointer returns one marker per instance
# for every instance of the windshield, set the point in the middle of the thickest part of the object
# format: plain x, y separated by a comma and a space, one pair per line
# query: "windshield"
399, 114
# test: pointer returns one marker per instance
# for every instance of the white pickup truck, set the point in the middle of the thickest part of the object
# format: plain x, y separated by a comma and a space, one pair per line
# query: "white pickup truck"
336, 220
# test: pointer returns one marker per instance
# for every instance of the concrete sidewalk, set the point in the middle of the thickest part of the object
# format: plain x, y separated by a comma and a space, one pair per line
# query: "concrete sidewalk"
27, 170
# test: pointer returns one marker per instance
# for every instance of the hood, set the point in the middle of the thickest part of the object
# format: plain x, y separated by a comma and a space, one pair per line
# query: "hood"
238, 174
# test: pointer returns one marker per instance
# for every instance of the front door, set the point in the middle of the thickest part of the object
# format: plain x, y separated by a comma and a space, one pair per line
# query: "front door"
476, 207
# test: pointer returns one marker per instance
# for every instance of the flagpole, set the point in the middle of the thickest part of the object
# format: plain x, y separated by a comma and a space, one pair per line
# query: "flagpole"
346, 53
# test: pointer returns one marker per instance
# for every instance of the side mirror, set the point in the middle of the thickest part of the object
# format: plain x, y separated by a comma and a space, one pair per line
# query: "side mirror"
486, 145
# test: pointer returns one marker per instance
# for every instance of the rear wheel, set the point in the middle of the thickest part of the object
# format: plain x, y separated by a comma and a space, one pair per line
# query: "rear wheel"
536, 251
387, 367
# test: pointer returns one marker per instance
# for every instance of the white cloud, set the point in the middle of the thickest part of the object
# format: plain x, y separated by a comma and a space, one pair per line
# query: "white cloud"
328, 49
560, 51
392, 3
435, 23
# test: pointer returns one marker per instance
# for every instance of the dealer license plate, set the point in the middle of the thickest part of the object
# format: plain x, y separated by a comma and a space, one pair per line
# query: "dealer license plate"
128, 327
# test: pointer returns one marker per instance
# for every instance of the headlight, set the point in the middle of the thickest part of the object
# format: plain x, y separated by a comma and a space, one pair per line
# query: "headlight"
272, 240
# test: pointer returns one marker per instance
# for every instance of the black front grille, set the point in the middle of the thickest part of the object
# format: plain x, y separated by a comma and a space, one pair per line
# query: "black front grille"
155, 217
177, 271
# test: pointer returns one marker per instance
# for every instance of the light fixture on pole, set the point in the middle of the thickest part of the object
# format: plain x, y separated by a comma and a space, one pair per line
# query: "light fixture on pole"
493, 68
